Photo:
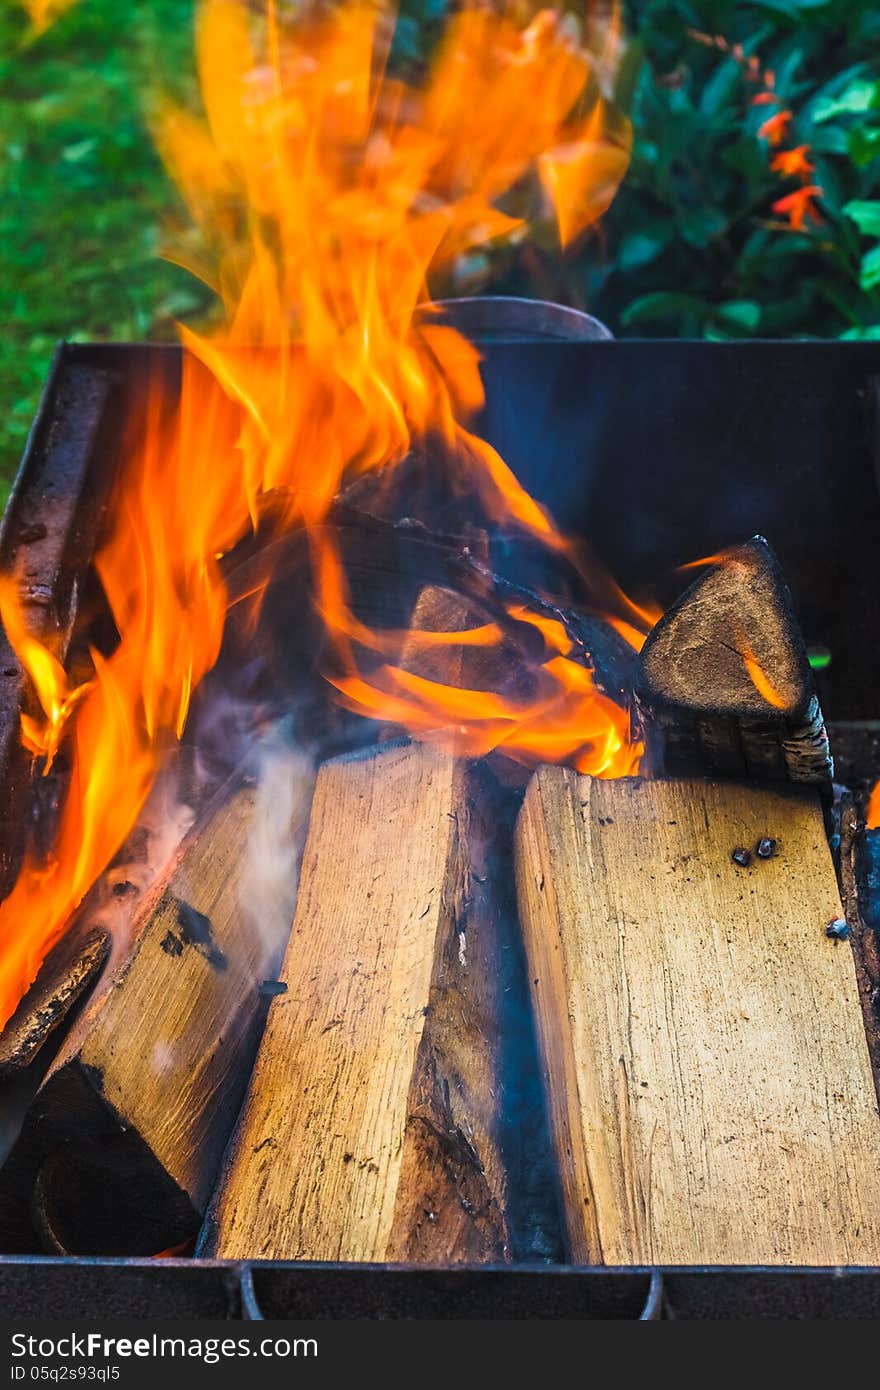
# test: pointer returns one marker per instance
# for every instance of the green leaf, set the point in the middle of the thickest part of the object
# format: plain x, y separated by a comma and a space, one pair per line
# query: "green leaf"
73, 154
864, 145
869, 277
662, 304
793, 9
866, 215
860, 96
721, 87
639, 248
740, 313
699, 225
830, 139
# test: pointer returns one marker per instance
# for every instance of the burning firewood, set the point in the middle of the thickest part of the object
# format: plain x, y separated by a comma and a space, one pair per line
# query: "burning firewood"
64, 976
709, 1082
147, 1085
503, 665
370, 1131
725, 685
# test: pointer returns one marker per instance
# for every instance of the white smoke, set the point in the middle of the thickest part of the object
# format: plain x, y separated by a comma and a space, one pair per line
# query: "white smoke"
285, 777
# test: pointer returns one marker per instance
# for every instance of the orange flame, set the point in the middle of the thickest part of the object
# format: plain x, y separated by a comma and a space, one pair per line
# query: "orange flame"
326, 193
49, 678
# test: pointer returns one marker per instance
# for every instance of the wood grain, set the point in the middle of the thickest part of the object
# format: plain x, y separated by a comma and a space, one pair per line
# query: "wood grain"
369, 1131
161, 1056
725, 685
711, 1094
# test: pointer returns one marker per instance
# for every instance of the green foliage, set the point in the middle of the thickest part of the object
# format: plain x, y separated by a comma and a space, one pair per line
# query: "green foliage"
82, 193
692, 245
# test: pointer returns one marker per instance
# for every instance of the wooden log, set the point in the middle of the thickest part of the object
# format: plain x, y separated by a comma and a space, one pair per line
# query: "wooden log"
149, 1081
509, 663
592, 640
503, 662
725, 685
370, 1127
710, 1088
65, 975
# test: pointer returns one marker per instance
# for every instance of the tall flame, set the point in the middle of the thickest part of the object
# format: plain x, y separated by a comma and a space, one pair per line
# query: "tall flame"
326, 192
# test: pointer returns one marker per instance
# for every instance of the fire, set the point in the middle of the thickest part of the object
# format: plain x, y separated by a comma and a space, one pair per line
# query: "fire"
49, 678
329, 196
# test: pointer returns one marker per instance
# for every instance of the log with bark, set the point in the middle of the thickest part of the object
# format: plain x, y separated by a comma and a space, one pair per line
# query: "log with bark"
725, 685
146, 1087
370, 1129
708, 1075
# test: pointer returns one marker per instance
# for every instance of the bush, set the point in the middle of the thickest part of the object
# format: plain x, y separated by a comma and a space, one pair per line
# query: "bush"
693, 243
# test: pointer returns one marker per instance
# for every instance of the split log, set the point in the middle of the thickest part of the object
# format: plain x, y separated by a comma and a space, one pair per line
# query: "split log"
710, 1088
148, 1083
725, 685
370, 1128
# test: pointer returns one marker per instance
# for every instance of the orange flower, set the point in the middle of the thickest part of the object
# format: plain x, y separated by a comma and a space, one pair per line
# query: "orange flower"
791, 163
765, 99
775, 129
799, 205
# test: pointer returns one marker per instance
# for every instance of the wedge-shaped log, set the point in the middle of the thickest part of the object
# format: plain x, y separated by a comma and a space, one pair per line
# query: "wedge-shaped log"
725, 685
149, 1082
710, 1089
370, 1127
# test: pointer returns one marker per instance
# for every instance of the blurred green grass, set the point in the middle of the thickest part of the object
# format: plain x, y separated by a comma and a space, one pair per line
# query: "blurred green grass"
82, 192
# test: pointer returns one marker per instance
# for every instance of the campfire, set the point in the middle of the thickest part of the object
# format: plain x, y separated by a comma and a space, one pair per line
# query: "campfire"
383, 881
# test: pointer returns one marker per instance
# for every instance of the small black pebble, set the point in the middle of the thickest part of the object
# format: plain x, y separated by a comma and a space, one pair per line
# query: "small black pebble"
766, 848
837, 929
743, 857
